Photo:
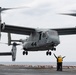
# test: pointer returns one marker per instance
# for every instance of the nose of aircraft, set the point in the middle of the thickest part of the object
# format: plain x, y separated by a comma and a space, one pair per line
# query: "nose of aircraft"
53, 39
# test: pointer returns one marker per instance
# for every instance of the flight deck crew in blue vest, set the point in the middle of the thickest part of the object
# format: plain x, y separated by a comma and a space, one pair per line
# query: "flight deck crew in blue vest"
59, 62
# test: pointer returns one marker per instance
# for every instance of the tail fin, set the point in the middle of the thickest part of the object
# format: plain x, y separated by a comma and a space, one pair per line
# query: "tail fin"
9, 39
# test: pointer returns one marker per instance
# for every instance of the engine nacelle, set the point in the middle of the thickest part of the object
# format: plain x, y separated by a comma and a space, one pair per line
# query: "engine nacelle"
0, 30
2, 27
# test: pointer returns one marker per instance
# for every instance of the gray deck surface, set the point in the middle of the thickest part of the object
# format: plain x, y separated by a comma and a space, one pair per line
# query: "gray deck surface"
16, 71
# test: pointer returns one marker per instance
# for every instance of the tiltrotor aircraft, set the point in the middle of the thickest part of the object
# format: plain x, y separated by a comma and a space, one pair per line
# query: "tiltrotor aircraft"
39, 39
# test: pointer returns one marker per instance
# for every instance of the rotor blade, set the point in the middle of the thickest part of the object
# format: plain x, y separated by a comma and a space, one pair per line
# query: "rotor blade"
70, 14
3, 9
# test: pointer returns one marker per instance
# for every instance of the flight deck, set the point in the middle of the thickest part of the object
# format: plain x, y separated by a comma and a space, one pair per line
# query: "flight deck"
36, 70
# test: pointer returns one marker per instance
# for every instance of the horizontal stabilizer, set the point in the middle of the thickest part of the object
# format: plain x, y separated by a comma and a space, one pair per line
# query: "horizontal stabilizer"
12, 53
5, 53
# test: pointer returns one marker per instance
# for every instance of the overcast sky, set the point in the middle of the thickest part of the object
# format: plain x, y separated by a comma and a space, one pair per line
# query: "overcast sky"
40, 14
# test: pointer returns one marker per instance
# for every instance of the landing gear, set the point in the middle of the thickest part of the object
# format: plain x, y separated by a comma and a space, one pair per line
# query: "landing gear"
48, 53
25, 52
53, 49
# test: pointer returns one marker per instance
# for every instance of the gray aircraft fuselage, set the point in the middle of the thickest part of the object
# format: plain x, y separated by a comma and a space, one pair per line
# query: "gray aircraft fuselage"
42, 40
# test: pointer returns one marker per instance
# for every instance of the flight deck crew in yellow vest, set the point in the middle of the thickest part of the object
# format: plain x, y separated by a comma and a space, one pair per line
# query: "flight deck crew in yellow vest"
59, 62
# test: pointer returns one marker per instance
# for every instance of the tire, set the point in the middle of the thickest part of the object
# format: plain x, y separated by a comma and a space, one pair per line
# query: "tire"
46, 53
26, 53
50, 53
54, 49
23, 52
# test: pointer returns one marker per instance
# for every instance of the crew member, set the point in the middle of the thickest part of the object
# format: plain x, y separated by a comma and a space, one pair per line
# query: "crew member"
59, 62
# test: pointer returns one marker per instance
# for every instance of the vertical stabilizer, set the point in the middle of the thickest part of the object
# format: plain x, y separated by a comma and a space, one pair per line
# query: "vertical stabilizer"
9, 39
0, 22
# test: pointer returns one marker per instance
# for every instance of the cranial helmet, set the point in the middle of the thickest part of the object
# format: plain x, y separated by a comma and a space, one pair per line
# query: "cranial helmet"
59, 56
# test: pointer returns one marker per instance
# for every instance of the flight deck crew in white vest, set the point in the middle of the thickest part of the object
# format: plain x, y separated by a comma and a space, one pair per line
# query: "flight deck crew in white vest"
59, 62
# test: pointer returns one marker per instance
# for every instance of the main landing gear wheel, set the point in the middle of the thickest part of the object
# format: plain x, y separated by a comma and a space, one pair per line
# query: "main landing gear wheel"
25, 52
48, 53
53, 49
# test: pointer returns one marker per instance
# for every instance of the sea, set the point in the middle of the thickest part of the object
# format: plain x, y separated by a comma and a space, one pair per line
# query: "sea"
38, 63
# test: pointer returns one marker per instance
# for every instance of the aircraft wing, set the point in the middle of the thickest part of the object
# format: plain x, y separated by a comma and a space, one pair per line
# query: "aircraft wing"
66, 31
28, 31
17, 29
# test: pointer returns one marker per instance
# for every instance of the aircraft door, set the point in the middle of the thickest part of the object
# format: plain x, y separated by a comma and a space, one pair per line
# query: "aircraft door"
40, 34
42, 38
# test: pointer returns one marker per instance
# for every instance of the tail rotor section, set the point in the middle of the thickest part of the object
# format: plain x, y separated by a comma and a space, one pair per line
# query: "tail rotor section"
14, 48
14, 44
12, 53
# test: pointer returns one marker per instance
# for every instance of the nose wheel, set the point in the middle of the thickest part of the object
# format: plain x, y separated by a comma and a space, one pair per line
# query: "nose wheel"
48, 53
25, 52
